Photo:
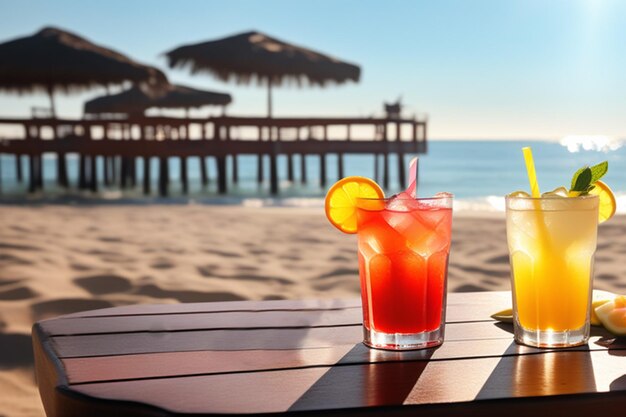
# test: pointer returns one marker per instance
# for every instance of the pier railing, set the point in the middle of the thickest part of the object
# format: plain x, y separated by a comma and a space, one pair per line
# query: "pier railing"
117, 143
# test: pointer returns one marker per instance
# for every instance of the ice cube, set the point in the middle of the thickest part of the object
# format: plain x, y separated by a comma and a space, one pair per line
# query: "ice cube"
518, 194
436, 236
402, 202
432, 217
404, 222
559, 192
381, 237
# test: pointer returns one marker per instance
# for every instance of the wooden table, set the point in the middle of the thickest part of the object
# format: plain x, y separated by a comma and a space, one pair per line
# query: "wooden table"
305, 356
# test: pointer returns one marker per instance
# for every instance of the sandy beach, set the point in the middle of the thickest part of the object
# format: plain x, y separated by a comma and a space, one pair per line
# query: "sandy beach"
61, 259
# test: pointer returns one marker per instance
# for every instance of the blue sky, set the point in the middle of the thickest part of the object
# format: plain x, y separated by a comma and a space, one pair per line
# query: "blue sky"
480, 69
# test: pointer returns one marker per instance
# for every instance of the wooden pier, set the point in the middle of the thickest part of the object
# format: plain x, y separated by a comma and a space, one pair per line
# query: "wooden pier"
117, 143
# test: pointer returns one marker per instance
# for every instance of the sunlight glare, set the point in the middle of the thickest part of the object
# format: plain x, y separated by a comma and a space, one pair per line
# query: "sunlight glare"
598, 143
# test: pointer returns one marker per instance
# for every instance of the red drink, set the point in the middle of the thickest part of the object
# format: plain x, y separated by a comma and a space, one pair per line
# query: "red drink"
403, 260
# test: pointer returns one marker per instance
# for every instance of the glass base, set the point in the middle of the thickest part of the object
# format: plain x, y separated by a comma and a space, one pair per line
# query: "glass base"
551, 338
402, 341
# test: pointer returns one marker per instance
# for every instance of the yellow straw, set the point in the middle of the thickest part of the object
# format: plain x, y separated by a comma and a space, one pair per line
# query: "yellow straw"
532, 175
543, 236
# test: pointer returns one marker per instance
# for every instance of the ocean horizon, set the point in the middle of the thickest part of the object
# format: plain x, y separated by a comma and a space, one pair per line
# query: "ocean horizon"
478, 172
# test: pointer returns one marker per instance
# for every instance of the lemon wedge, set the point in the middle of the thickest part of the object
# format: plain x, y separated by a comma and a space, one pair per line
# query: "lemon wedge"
607, 205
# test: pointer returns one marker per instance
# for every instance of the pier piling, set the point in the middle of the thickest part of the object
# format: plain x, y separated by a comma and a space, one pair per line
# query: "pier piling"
93, 177
290, 176
323, 161
32, 174
164, 176
401, 170
273, 172
146, 175
183, 174
132, 171
235, 167
303, 178
340, 166
19, 175
62, 179
259, 165
221, 174
123, 173
259, 161
203, 171
106, 167
82, 169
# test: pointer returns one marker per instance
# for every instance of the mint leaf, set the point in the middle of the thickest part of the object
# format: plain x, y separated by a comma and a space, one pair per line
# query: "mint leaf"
598, 171
575, 177
581, 180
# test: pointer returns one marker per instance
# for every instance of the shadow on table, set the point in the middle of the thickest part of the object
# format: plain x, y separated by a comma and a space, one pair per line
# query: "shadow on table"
527, 372
616, 347
366, 377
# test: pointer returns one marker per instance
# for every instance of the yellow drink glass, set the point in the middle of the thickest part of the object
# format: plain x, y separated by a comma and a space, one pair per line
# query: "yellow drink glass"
552, 241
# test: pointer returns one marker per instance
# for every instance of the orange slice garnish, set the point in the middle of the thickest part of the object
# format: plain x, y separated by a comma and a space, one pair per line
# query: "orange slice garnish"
341, 201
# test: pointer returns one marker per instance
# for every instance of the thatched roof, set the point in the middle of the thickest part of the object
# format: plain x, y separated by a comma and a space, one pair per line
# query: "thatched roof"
255, 56
130, 101
181, 97
135, 100
54, 58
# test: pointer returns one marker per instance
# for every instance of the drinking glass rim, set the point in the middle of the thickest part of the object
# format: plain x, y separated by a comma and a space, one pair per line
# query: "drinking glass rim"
580, 197
406, 198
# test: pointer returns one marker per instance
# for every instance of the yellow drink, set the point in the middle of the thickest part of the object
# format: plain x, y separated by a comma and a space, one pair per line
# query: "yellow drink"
551, 243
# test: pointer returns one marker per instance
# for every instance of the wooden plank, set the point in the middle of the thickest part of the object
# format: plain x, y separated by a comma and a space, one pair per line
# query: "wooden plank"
129, 343
388, 384
235, 393
167, 364
243, 339
152, 365
190, 308
225, 320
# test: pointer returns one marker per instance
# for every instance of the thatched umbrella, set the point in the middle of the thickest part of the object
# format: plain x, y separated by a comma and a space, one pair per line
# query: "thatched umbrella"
135, 100
53, 59
254, 56
131, 101
179, 96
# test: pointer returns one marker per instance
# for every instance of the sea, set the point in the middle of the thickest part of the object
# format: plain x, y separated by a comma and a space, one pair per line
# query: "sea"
478, 172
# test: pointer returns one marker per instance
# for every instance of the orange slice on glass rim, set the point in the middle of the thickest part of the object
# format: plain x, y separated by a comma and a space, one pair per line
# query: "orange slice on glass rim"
607, 203
341, 201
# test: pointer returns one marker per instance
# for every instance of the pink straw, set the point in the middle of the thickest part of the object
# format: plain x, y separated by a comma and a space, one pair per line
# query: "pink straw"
413, 177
